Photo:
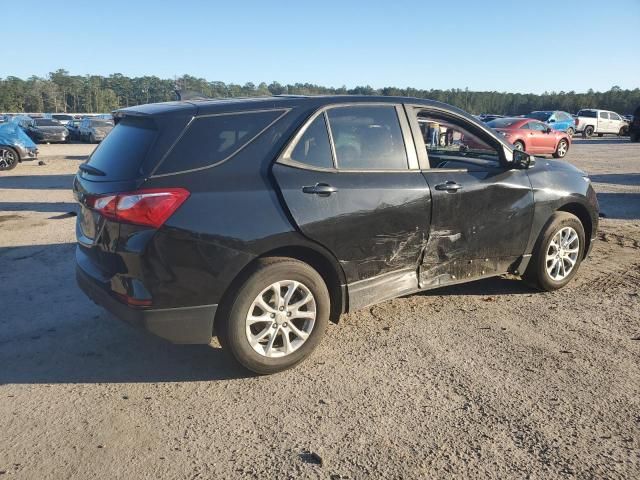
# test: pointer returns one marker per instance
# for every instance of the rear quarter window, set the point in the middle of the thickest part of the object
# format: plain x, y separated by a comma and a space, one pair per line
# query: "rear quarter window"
212, 139
122, 152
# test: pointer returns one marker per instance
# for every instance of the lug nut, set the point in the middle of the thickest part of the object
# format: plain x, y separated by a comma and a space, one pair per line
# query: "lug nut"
284, 324
288, 314
281, 308
273, 315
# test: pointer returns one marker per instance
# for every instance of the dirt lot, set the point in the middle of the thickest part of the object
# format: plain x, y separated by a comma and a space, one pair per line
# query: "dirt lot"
489, 379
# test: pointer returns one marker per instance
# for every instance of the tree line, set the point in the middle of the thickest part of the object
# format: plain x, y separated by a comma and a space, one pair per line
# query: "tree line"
61, 92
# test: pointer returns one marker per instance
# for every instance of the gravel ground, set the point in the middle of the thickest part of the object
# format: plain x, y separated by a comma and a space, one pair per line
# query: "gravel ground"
488, 379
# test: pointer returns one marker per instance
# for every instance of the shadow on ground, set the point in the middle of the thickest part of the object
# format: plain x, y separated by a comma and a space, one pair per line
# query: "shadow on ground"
37, 182
51, 333
601, 141
622, 206
617, 178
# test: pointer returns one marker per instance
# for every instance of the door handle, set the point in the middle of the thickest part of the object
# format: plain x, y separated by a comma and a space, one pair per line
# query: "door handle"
449, 186
321, 189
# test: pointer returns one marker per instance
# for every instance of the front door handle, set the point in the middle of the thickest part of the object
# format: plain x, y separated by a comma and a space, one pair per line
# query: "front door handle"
449, 186
321, 189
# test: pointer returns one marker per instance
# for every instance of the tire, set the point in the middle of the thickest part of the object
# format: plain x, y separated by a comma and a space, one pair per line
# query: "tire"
537, 273
622, 132
9, 158
268, 354
518, 145
561, 149
588, 131
570, 132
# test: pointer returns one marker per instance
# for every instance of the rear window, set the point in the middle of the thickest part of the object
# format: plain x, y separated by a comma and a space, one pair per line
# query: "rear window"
587, 113
121, 153
212, 139
542, 116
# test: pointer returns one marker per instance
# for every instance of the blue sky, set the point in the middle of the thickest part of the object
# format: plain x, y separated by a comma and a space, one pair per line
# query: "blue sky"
483, 45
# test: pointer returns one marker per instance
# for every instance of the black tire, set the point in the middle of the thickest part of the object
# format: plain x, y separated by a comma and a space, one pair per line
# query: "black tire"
518, 145
588, 131
231, 326
570, 132
9, 158
536, 274
561, 153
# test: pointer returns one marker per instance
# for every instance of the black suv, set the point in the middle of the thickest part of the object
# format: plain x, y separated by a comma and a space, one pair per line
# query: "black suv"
259, 220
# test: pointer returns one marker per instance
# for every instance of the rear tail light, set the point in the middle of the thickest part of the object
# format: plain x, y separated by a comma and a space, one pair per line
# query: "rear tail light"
577, 121
151, 207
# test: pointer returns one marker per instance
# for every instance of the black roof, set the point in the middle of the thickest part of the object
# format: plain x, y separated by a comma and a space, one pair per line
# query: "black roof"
218, 105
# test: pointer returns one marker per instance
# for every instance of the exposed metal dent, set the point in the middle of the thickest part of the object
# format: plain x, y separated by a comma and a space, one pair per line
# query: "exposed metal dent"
383, 287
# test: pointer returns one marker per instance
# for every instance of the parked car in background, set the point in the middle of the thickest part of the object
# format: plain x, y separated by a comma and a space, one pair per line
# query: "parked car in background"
533, 136
63, 118
94, 130
74, 129
487, 117
262, 219
634, 126
15, 146
590, 121
556, 119
46, 130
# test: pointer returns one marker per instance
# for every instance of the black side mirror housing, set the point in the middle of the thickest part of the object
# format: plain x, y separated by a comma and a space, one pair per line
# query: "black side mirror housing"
523, 160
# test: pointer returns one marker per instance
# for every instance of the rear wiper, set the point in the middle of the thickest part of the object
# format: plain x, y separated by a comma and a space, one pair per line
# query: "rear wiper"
92, 170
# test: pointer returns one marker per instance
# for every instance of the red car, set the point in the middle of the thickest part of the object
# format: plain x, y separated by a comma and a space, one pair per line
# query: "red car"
532, 136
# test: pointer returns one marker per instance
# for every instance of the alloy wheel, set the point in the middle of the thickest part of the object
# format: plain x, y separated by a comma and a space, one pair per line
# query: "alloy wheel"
8, 159
562, 253
281, 318
562, 148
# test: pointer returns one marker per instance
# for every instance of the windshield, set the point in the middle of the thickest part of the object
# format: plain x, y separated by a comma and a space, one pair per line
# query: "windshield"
503, 122
46, 122
542, 116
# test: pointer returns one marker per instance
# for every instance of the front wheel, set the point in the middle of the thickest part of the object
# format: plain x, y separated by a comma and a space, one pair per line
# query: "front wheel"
622, 132
277, 317
518, 145
558, 253
8, 158
561, 149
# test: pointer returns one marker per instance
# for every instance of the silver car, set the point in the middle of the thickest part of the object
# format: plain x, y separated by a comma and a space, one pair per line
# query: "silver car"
94, 130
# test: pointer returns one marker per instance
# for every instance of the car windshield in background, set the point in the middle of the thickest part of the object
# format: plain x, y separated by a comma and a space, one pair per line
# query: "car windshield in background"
588, 113
503, 122
542, 116
46, 122
101, 123
62, 117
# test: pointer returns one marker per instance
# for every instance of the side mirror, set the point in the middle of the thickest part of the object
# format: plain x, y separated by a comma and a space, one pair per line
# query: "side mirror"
552, 120
523, 160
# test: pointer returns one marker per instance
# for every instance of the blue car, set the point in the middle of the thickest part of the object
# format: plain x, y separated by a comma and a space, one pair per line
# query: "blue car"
557, 120
15, 146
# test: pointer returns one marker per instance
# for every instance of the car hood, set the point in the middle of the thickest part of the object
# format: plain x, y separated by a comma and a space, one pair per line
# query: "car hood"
51, 129
558, 166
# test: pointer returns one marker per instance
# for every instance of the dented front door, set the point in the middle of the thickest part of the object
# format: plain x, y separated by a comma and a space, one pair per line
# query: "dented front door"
480, 223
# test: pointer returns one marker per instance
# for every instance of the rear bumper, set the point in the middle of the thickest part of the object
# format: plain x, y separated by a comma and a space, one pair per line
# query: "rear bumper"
191, 325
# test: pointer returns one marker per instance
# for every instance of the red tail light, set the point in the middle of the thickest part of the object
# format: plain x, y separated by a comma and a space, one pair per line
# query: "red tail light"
150, 207
576, 121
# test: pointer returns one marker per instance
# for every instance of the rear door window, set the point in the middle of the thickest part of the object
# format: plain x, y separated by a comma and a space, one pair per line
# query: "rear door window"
212, 139
122, 152
313, 147
368, 138
604, 115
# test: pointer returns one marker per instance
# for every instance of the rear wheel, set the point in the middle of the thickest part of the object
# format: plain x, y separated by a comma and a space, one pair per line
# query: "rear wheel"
561, 149
277, 316
518, 145
570, 131
558, 253
8, 158
588, 131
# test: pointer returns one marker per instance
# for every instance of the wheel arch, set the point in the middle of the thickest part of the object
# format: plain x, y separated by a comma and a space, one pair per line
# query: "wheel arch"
583, 215
327, 266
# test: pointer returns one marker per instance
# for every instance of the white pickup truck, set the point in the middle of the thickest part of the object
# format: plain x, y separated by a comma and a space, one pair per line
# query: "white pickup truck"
589, 121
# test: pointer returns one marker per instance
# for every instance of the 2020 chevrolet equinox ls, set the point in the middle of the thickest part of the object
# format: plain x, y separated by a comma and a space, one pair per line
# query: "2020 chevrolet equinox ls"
259, 220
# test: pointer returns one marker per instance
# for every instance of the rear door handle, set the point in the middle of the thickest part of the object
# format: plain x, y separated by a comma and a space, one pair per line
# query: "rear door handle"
321, 189
449, 186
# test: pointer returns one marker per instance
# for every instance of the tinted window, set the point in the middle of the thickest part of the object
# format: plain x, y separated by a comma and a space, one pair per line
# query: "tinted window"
314, 148
503, 122
210, 140
537, 126
367, 137
604, 115
542, 116
587, 113
46, 122
526, 126
121, 153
